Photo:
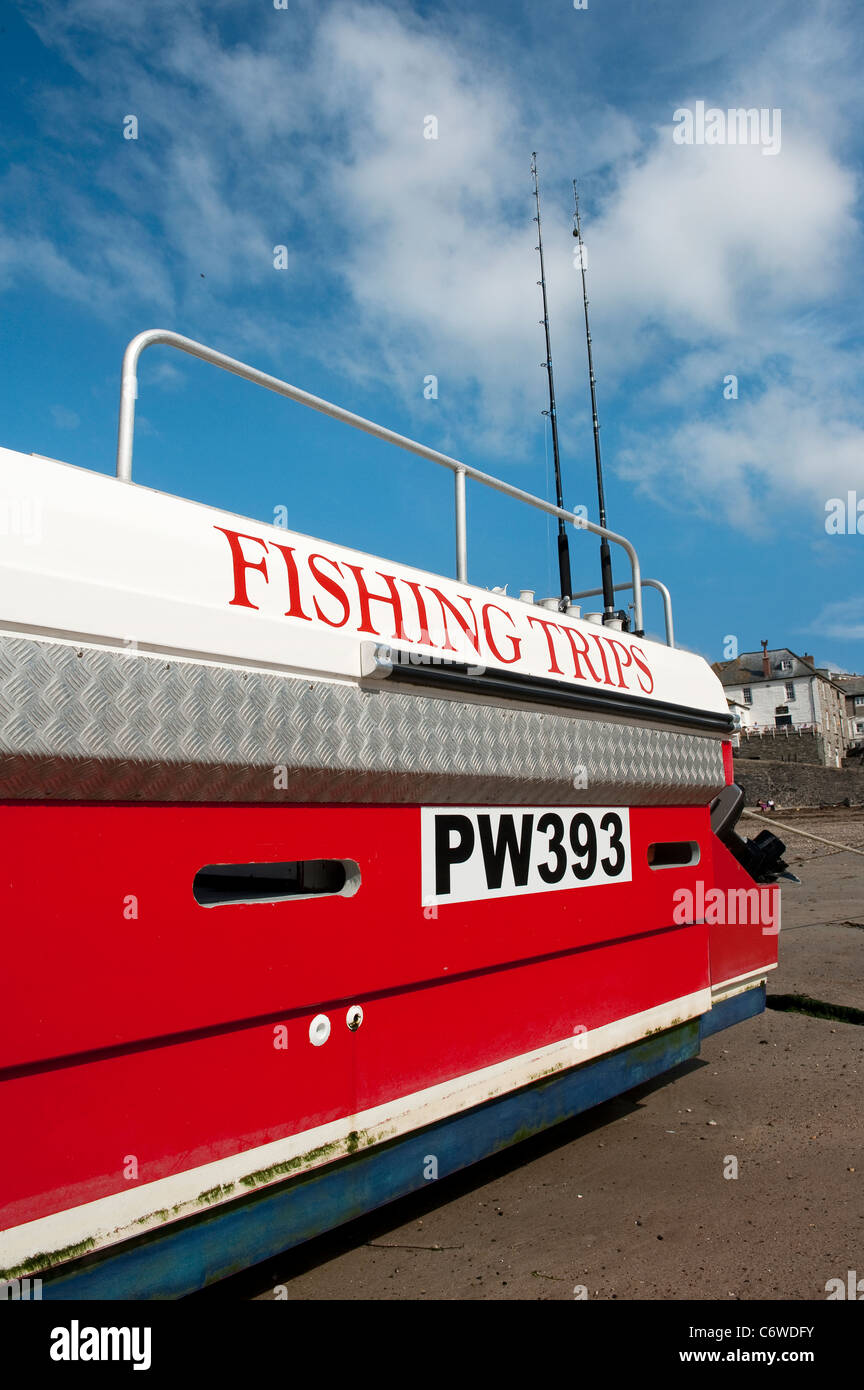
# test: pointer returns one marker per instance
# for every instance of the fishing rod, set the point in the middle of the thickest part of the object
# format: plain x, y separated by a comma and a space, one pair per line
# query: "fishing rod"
605, 554
563, 540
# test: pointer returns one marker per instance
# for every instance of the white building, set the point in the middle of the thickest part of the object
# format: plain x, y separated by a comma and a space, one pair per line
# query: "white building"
778, 691
853, 690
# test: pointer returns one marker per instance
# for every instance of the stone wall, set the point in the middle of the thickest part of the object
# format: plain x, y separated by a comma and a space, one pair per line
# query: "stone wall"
780, 747
790, 784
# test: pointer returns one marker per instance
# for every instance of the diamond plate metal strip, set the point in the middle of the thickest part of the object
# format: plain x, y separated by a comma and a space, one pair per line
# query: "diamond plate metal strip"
78, 723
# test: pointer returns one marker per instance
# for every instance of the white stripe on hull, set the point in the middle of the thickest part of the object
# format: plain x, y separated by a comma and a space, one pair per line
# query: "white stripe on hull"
737, 984
122, 1215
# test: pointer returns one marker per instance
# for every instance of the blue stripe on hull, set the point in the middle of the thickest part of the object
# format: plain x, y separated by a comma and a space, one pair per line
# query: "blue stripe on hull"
186, 1256
745, 1005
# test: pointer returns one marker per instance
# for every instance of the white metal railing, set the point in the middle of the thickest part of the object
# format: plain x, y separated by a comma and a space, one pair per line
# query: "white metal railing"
461, 471
652, 584
774, 730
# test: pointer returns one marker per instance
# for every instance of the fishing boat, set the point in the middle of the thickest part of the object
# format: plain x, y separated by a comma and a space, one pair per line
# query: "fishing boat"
325, 876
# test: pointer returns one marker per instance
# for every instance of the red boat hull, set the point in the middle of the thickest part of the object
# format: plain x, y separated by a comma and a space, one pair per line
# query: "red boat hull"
149, 1036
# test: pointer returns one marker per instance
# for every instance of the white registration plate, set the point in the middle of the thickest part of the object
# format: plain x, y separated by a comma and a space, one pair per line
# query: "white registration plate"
470, 853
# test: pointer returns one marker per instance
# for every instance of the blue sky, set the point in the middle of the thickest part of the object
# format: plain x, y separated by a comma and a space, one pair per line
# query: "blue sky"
303, 127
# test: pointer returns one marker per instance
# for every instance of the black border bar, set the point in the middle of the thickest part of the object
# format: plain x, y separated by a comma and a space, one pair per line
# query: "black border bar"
404, 668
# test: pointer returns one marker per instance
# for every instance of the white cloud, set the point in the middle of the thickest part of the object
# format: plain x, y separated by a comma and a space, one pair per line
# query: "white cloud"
309, 133
701, 238
800, 447
842, 619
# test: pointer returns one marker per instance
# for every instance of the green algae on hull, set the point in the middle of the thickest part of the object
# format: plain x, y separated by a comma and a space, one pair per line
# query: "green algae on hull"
337, 1149
44, 1259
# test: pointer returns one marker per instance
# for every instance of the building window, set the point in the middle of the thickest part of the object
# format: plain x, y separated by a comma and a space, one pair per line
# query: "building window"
859, 701
790, 690
748, 696
785, 665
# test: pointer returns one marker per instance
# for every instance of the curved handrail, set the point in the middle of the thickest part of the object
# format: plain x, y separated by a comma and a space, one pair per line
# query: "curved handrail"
126, 431
652, 584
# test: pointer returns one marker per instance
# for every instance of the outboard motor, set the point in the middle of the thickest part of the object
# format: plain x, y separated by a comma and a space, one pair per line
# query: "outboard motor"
762, 857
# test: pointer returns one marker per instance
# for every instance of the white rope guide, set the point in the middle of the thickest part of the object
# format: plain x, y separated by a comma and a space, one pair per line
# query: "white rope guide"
805, 834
